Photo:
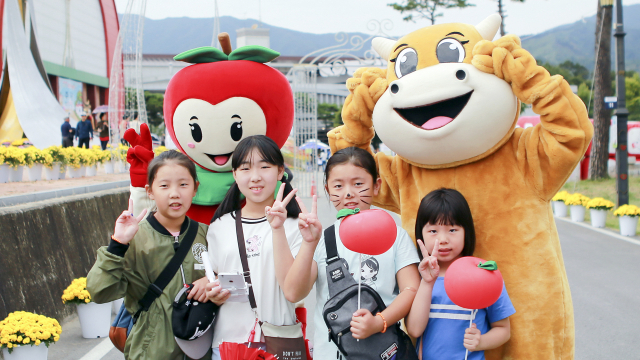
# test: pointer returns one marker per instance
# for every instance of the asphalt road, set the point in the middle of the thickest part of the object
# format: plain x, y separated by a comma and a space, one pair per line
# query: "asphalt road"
603, 272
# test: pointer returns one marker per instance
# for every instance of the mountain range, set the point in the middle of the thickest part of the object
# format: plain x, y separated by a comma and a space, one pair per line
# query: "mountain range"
574, 42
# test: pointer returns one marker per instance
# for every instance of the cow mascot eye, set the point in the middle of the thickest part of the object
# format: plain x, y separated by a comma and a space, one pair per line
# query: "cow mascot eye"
236, 131
196, 132
406, 62
450, 51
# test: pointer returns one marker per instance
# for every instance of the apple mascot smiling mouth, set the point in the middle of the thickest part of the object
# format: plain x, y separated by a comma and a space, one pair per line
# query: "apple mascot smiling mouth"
212, 105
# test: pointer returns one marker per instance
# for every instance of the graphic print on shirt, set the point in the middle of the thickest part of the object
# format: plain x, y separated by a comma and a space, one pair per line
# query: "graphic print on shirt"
369, 269
197, 249
253, 245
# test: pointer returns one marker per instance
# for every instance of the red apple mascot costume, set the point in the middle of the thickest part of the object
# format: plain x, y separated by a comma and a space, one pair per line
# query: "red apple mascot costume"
208, 108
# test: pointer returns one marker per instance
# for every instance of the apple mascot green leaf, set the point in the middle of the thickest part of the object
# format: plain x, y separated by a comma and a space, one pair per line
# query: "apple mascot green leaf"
216, 102
473, 283
370, 232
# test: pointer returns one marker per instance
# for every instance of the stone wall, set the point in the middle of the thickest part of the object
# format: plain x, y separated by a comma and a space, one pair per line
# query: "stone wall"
45, 245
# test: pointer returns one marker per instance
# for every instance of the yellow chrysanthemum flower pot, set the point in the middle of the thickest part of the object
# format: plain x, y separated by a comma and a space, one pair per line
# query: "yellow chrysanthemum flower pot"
95, 319
628, 217
26, 336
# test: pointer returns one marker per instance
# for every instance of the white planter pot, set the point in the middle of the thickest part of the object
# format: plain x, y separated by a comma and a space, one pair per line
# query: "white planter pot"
108, 167
92, 170
598, 218
53, 173
628, 225
71, 172
577, 213
82, 171
116, 304
63, 172
35, 172
560, 208
119, 168
26, 352
95, 319
4, 173
15, 174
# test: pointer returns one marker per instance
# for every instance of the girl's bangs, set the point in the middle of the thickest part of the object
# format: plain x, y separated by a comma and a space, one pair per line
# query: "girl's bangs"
268, 152
442, 213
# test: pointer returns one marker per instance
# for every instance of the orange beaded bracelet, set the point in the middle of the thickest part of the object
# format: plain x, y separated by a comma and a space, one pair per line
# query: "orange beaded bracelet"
384, 323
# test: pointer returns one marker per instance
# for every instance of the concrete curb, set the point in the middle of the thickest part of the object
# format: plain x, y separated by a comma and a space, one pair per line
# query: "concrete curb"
46, 195
633, 240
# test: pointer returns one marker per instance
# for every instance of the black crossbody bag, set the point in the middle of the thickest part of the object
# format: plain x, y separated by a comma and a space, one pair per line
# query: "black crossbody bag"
343, 302
123, 322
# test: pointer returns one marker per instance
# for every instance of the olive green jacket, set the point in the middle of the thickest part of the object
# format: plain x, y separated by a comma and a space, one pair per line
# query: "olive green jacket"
128, 270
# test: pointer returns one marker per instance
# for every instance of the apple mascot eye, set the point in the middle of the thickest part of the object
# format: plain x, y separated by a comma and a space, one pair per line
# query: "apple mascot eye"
196, 132
236, 131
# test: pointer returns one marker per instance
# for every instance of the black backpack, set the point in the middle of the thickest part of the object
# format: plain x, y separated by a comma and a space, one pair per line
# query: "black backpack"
343, 302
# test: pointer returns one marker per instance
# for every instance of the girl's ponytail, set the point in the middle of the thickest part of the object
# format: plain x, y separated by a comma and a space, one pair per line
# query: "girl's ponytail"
231, 202
293, 210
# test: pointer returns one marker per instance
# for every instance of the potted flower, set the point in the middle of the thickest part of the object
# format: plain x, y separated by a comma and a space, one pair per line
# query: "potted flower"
598, 208
90, 160
108, 160
72, 154
15, 158
559, 207
95, 319
4, 168
577, 202
628, 217
27, 336
121, 157
38, 158
56, 169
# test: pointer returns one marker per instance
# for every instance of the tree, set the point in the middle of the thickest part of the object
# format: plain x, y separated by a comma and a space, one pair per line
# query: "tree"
154, 102
602, 88
427, 9
327, 114
502, 15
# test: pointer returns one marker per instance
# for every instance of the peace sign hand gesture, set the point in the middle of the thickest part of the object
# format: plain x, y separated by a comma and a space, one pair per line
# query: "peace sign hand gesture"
277, 213
428, 267
127, 224
308, 223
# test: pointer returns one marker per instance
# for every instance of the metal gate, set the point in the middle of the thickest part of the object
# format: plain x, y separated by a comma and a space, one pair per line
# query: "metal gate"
305, 128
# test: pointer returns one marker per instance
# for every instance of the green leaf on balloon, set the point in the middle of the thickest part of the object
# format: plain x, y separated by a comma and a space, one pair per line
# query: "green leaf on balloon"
488, 265
346, 212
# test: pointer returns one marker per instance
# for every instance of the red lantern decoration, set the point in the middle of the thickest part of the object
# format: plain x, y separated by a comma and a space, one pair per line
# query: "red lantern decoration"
473, 283
370, 232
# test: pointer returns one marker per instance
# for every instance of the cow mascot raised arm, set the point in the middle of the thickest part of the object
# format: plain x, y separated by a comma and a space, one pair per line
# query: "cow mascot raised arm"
208, 108
447, 105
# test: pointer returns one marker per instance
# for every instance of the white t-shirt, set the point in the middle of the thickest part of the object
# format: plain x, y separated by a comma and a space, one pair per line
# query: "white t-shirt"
235, 319
377, 271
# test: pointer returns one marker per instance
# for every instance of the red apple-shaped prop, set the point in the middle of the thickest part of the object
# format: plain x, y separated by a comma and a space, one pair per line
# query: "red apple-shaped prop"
370, 232
473, 283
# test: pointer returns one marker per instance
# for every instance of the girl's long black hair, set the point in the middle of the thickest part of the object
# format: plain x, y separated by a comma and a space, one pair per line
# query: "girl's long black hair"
447, 207
269, 151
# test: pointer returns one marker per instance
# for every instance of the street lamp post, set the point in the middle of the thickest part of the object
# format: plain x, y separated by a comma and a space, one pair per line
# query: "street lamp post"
622, 166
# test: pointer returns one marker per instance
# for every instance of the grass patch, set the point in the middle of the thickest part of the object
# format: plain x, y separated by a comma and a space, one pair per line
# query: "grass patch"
605, 189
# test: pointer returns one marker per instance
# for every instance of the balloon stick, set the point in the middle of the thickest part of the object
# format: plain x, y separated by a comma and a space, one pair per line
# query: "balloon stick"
473, 316
359, 284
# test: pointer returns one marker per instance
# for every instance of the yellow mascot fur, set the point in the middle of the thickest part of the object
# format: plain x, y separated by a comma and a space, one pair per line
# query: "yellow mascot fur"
447, 105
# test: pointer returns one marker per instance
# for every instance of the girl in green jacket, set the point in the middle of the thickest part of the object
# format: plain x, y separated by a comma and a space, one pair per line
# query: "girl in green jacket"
140, 249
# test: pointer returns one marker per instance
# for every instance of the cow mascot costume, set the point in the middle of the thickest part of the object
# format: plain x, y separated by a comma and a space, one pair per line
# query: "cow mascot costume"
447, 105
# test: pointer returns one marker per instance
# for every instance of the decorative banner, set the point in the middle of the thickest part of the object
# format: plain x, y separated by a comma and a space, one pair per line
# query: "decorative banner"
70, 97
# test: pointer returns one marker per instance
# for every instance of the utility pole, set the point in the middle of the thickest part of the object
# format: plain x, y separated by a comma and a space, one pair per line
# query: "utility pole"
622, 166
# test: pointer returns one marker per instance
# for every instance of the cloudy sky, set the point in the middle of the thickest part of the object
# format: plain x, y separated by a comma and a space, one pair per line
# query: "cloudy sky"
330, 16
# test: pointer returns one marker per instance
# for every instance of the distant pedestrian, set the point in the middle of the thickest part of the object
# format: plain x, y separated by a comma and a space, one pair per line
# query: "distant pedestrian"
67, 133
103, 128
84, 131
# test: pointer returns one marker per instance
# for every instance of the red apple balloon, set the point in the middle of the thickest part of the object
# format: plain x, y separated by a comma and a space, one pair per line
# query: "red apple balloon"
473, 283
370, 232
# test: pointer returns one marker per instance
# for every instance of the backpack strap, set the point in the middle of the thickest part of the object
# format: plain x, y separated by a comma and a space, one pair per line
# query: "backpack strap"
155, 290
338, 276
243, 258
